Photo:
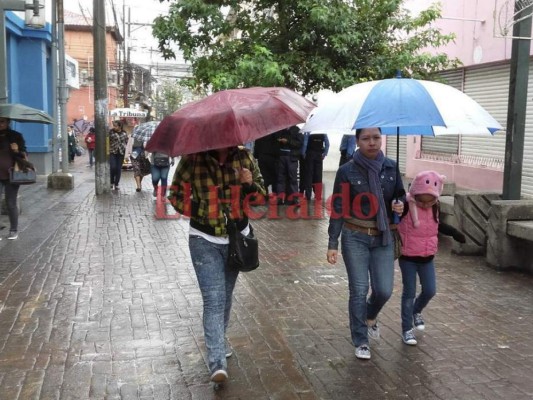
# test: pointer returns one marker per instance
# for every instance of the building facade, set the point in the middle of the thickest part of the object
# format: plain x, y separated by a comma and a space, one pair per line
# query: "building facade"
79, 46
483, 44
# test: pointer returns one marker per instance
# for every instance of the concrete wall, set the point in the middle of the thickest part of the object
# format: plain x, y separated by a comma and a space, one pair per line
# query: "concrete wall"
503, 250
478, 38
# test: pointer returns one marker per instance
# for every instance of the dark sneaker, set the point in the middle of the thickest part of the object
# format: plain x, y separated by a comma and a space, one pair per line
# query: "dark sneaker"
362, 352
12, 235
409, 337
219, 376
419, 321
373, 331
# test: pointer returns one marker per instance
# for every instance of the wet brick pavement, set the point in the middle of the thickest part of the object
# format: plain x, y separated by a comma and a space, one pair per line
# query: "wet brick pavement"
98, 300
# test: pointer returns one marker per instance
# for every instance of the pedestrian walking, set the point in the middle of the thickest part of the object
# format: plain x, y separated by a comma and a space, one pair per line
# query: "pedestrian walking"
197, 175
161, 164
362, 211
139, 161
314, 150
90, 141
72, 143
118, 139
419, 229
12, 148
347, 148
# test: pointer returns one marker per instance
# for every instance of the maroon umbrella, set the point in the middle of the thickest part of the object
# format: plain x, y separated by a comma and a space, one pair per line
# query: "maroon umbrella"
229, 118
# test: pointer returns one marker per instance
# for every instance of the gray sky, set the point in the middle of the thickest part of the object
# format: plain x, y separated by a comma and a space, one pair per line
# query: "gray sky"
143, 45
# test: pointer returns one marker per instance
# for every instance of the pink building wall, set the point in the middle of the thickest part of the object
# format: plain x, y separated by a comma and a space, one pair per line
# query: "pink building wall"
477, 42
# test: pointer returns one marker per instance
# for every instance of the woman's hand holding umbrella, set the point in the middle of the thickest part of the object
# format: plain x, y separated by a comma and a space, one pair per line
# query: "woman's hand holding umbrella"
245, 176
397, 209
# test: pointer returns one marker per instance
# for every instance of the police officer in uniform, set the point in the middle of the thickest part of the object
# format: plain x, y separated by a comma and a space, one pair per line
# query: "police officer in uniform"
290, 144
314, 150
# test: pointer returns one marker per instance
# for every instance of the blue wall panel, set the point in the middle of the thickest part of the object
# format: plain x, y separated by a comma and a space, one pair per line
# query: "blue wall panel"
30, 78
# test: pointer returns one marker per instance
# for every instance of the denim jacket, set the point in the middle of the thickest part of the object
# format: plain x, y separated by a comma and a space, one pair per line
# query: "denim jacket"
354, 180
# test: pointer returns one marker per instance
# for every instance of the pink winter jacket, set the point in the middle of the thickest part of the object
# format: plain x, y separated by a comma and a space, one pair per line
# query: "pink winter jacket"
423, 240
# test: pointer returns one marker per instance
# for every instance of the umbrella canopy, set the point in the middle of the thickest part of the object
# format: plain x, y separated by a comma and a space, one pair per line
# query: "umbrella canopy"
145, 130
229, 118
22, 113
403, 106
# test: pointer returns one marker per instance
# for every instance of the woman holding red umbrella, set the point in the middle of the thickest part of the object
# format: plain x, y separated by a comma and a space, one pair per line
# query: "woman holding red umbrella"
210, 178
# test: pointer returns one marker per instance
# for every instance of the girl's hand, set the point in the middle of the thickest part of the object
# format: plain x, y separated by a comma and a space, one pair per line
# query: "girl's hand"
14, 147
332, 256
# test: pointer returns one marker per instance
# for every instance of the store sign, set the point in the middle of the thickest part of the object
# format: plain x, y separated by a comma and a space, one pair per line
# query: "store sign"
127, 113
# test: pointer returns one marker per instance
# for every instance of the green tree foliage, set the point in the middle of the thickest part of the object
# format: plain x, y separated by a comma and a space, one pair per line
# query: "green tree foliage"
306, 45
169, 97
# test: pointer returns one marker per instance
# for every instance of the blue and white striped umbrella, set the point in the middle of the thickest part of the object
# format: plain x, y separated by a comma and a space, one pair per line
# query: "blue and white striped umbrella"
403, 106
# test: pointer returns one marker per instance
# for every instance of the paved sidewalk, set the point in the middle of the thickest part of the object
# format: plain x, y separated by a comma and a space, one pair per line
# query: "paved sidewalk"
98, 300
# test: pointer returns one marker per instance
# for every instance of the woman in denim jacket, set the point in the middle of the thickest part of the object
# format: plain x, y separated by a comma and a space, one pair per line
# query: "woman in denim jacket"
362, 210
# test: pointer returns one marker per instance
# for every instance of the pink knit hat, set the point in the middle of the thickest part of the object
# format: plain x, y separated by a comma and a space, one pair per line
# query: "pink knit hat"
425, 182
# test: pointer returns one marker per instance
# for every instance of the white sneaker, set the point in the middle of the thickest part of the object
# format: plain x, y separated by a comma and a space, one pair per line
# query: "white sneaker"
373, 331
219, 376
229, 351
12, 235
409, 337
419, 322
363, 352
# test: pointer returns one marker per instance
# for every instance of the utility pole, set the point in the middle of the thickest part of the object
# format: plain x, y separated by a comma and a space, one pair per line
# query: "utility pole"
102, 178
62, 86
3, 57
516, 111
127, 67
55, 55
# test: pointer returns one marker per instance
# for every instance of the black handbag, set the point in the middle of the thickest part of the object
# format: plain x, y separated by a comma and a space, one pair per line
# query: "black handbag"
161, 160
243, 252
21, 177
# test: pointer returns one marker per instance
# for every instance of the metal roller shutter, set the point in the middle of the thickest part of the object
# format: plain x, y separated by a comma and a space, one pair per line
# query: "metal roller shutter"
444, 144
527, 165
489, 86
391, 150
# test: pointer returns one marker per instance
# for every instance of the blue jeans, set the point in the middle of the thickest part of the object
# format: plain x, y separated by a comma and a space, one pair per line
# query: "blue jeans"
410, 305
365, 256
91, 156
216, 283
159, 173
115, 167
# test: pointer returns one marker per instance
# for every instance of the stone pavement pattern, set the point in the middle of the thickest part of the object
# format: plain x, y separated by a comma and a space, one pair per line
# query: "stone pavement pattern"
98, 300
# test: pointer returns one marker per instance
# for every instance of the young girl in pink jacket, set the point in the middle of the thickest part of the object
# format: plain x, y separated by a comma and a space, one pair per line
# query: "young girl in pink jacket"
419, 229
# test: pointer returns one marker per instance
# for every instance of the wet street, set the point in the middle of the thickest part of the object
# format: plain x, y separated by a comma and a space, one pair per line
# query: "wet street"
98, 300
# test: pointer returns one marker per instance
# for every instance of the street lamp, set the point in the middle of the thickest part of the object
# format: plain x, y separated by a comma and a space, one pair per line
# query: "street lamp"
34, 19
